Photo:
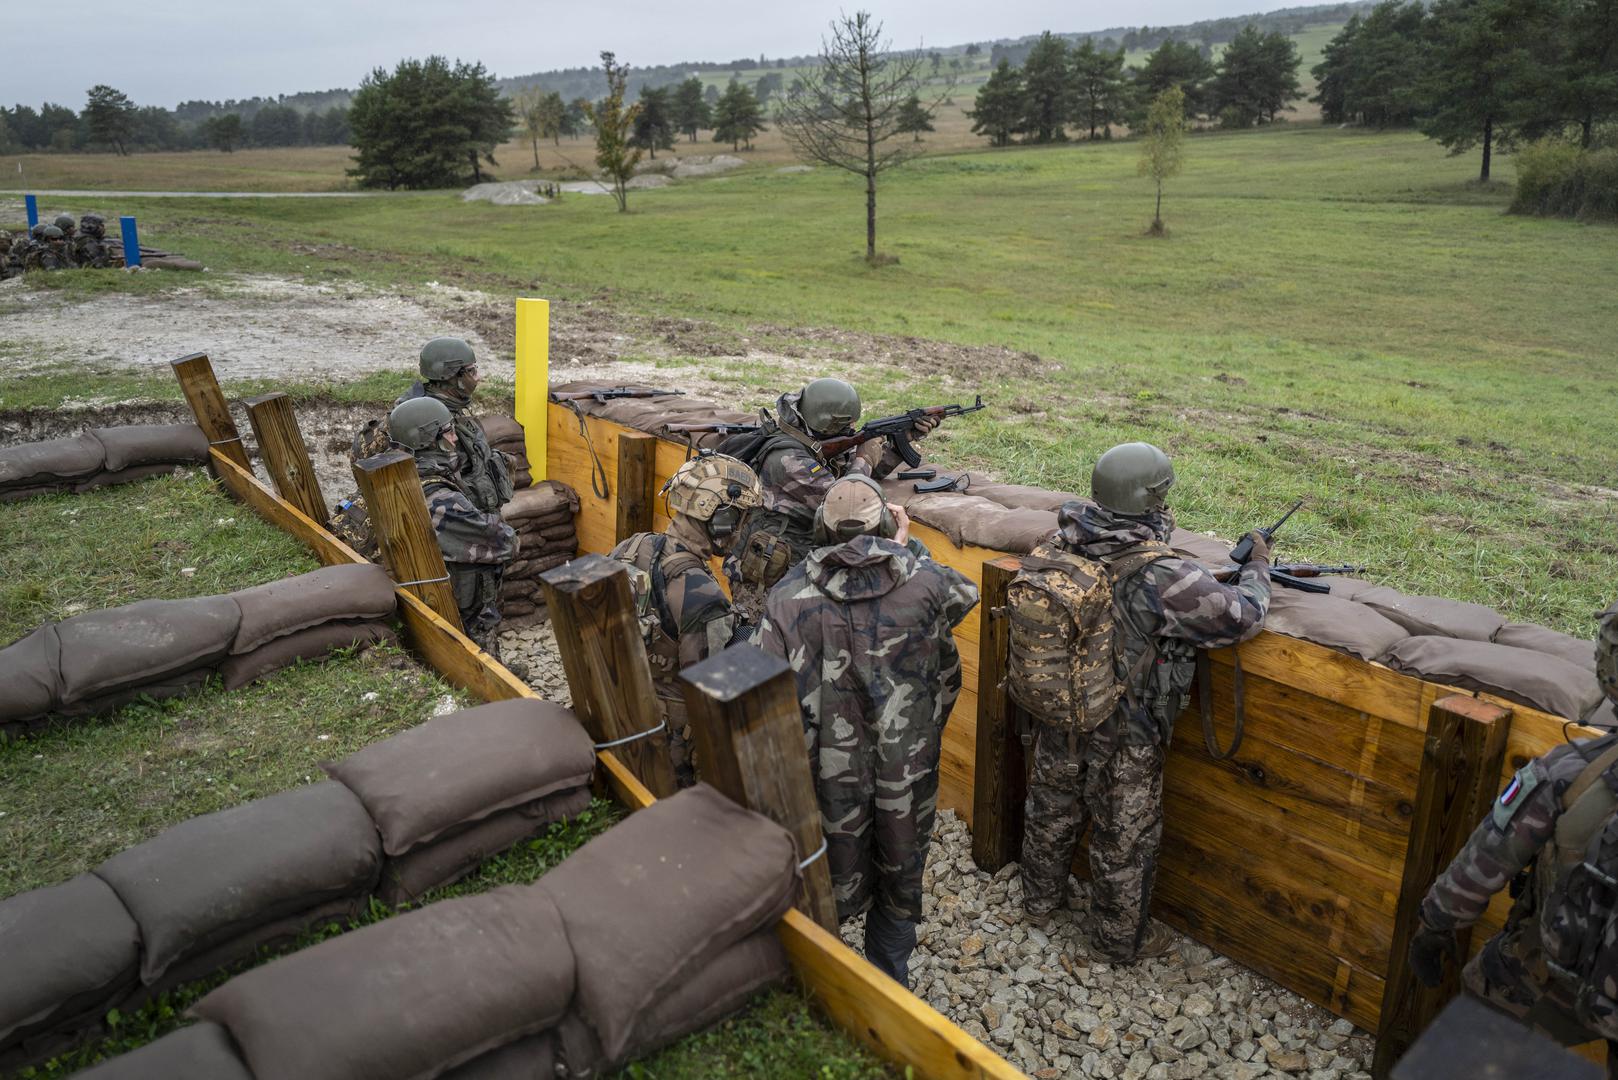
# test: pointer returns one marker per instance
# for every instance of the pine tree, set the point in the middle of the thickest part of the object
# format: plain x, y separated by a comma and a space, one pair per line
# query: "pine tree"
1173, 64
1258, 76
914, 117
737, 117
654, 124
1048, 89
1098, 88
1588, 66
109, 116
1477, 60
690, 111
1000, 106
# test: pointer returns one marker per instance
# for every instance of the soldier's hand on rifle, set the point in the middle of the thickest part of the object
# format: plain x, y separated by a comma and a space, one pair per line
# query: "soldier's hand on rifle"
902, 536
924, 424
1427, 951
1261, 545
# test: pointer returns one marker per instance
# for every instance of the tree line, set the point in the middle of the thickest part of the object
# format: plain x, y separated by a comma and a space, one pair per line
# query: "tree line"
111, 122
1089, 89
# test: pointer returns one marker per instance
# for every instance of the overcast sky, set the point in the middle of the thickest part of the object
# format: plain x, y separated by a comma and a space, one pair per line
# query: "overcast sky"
161, 52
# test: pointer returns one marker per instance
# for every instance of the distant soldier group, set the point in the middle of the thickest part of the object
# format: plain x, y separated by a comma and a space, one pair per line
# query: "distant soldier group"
62, 245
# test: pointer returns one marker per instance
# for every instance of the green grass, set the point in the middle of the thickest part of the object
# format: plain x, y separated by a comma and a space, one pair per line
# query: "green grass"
56, 385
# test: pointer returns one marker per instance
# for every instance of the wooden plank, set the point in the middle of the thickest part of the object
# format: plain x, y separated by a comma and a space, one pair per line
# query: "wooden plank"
241, 483
571, 462
1000, 782
397, 508
634, 493
1466, 743
1326, 673
748, 728
202, 393
286, 457
1469, 1040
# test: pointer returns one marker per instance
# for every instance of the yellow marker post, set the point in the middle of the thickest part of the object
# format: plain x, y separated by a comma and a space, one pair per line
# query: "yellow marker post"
533, 379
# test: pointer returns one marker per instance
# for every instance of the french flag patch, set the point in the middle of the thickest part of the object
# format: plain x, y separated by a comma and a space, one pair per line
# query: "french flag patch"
1511, 791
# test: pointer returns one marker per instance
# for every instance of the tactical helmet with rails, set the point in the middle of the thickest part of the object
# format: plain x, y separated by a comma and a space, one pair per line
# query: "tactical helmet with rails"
419, 423
715, 490
1607, 652
444, 358
854, 506
829, 406
1132, 479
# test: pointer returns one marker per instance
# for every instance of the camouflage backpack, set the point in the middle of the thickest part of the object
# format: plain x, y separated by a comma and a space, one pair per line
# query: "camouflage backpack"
648, 586
1060, 666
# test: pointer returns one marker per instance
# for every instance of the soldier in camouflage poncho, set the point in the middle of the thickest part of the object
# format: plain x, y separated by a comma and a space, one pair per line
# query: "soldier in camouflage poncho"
1114, 774
1517, 844
477, 546
866, 626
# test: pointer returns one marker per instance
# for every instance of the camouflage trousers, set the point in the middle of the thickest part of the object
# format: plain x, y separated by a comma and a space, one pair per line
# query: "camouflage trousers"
477, 598
1500, 976
1118, 789
672, 706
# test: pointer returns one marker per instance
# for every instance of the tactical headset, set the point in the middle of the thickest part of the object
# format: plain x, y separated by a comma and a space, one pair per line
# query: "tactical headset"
720, 517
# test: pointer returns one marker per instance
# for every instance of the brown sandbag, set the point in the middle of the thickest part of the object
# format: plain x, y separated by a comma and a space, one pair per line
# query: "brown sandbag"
464, 766
545, 498
177, 684
528, 525
1543, 640
212, 878
550, 562
315, 643
29, 672
18, 494
409, 997
348, 591
530, 1058
169, 262
1428, 616
453, 856
200, 1051
128, 476
1520, 675
70, 951
522, 477
517, 589
152, 444
1208, 550
501, 429
661, 895
966, 519
1016, 496
104, 651
275, 935
36, 463
559, 532
1333, 622
510, 609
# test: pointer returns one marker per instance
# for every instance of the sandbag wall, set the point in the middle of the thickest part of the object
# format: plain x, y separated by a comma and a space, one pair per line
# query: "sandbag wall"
543, 516
583, 971
99, 457
398, 818
100, 661
1328, 768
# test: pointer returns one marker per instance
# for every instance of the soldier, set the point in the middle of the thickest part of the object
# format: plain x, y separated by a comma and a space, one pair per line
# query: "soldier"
1165, 608
6, 269
449, 373
51, 254
865, 623
685, 615
68, 226
90, 246
477, 545
1553, 837
795, 475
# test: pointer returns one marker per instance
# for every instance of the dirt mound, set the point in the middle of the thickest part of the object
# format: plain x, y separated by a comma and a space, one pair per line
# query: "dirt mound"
506, 193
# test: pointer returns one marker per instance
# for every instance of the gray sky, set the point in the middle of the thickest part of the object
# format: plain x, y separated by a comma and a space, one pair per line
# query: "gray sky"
161, 52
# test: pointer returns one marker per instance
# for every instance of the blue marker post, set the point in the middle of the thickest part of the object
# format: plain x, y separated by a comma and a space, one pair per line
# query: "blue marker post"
131, 241
33, 211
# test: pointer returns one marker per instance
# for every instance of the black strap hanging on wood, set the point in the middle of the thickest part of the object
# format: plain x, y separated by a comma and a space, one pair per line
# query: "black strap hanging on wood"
1205, 705
598, 472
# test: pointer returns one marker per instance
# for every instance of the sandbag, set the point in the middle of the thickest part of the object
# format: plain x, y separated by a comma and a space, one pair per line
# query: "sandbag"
69, 951
128, 476
142, 642
1520, 675
1015, 496
530, 1058
501, 429
558, 532
1208, 550
212, 878
510, 609
32, 464
411, 996
178, 684
545, 498
152, 444
315, 643
523, 476
453, 856
273, 936
1333, 622
200, 1051
464, 766
966, 519
28, 671
1427, 616
1543, 640
657, 898
349, 591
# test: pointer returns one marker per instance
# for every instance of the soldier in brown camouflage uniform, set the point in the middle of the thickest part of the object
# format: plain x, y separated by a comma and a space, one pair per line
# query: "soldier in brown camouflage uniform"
1114, 774
866, 626
796, 476
90, 245
477, 546
685, 614
1510, 971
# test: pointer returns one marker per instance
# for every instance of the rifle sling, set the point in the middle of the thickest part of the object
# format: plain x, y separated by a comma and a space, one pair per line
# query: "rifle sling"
598, 472
1205, 705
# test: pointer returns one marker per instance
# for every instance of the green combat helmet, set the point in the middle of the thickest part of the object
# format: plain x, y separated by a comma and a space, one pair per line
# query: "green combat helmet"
443, 358
66, 223
1132, 479
419, 423
1607, 652
51, 232
829, 406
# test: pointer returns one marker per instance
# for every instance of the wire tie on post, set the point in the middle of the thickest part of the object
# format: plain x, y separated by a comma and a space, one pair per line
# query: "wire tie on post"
423, 581
222, 442
819, 851
632, 738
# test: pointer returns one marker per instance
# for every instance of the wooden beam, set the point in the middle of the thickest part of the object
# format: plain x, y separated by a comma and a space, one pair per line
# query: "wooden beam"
398, 510
286, 456
604, 657
637, 468
748, 730
1001, 782
1460, 773
207, 402
1469, 1040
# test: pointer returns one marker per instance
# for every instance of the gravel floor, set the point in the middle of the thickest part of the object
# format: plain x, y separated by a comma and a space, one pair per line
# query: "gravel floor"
536, 647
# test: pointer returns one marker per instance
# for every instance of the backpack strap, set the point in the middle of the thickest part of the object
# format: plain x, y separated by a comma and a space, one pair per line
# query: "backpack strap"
1587, 804
1123, 566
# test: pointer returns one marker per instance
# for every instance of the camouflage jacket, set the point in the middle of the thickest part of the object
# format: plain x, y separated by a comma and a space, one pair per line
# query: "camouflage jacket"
91, 251
485, 475
866, 627
46, 257
465, 534
1173, 605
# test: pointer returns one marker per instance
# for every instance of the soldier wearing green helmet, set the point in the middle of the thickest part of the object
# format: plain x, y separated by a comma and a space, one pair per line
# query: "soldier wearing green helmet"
449, 374
68, 226
50, 253
477, 544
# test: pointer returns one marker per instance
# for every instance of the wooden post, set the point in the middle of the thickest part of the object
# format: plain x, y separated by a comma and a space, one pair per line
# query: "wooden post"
604, 657
637, 460
1470, 1040
1461, 763
286, 457
748, 731
207, 402
1000, 783
398, 511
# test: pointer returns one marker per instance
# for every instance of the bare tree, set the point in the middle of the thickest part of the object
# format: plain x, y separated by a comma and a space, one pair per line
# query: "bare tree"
848, 110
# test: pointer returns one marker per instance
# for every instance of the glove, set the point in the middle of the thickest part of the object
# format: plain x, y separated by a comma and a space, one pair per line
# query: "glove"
1427, 951
1261, 545
923, 425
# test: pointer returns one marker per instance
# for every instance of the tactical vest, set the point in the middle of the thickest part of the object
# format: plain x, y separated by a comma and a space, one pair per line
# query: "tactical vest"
649, 583
771, 542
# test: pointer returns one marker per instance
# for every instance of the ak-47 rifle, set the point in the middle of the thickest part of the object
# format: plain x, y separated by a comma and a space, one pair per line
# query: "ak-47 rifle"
608, 393
1295, 575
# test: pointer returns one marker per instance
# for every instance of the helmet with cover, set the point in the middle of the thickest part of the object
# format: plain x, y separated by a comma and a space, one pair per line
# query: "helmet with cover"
1132, 479
716, 490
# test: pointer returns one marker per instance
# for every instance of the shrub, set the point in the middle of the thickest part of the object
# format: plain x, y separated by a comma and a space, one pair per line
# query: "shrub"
1558, 178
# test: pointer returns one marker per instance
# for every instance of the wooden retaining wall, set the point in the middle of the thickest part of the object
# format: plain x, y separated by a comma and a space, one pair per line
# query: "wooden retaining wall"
1289, 858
